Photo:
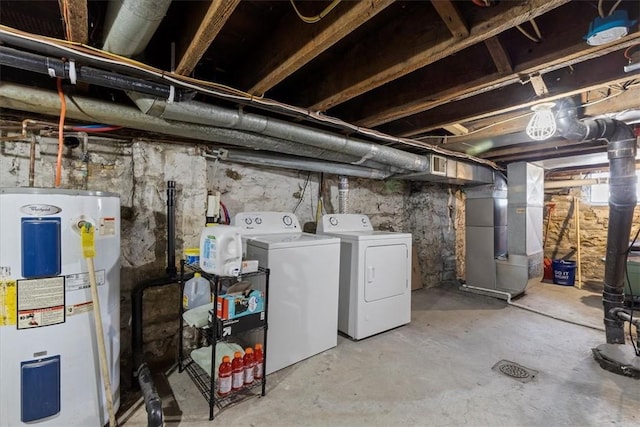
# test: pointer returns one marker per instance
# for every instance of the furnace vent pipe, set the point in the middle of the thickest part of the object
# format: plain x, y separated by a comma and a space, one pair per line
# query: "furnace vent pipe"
621, 151
298, 163
211, 115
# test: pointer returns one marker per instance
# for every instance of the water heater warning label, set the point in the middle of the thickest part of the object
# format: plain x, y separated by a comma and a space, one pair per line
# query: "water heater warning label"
7, 302
74, 282
40, 302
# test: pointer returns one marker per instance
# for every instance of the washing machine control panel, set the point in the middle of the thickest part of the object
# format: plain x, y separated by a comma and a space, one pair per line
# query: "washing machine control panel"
344, 222
267, 222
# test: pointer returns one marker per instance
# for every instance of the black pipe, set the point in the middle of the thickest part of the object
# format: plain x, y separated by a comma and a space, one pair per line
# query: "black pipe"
57, 68
152, 401
621, 150
171, 229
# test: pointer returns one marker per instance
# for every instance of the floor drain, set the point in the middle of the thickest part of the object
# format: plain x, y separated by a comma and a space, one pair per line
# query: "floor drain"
515, 371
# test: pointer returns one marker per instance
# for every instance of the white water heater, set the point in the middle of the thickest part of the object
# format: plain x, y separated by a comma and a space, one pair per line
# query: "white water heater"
49, 363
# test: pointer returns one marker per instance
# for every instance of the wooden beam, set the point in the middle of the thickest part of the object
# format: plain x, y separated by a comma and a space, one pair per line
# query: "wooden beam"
296, 43
586, 76
512, 128
407, 50
217, 15
402, 100
499, 55
539, 86
76, 21
450, 14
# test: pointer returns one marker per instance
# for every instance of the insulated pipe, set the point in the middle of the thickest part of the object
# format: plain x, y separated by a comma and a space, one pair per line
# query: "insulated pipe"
211, 115
130, 24
303, 164
621, 151
57, 68
26, 98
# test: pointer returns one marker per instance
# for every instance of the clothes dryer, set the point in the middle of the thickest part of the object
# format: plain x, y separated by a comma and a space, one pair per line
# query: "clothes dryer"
375, 273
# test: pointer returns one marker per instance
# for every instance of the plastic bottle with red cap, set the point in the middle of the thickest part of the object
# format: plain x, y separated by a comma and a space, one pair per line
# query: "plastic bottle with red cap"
258, 358
225, 372
237, 367
249, 366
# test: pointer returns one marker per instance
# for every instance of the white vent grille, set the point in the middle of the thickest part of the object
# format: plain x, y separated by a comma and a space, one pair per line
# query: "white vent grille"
438, 165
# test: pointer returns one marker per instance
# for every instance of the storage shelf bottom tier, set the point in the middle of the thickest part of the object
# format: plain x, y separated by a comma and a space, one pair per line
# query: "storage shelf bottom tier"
202, 380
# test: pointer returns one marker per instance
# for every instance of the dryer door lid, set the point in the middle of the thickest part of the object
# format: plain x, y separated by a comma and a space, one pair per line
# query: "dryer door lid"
385, 271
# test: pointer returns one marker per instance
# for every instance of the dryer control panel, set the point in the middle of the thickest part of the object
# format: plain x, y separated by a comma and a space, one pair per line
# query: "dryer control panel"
266, 223
344, 222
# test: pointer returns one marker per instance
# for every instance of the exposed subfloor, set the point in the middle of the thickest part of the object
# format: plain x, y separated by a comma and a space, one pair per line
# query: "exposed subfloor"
437, 371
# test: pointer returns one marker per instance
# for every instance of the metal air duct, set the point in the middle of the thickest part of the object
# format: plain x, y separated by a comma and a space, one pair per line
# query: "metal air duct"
211, 115
26, 98
130, 24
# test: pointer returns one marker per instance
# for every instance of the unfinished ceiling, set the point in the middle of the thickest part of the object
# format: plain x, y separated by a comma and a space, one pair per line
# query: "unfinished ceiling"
460, 75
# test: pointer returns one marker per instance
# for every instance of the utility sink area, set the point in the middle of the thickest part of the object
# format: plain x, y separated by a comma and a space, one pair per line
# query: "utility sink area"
437, 370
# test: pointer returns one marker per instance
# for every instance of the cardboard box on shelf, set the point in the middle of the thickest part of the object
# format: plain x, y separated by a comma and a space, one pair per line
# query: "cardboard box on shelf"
240, 300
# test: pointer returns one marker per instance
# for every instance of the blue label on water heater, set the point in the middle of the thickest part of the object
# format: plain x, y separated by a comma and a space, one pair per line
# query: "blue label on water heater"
41, 247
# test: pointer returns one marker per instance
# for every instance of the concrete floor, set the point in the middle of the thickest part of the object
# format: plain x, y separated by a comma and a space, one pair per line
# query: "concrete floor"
437, 371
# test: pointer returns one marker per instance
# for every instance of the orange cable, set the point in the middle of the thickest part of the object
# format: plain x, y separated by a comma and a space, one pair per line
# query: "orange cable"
63, 112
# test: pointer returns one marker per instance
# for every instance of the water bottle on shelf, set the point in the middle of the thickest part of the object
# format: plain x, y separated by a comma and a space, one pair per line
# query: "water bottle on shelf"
197, 292
238, 371
224, 376
258, 358
249, 366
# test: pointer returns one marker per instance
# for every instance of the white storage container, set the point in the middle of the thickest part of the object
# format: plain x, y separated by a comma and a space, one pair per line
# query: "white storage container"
221, 250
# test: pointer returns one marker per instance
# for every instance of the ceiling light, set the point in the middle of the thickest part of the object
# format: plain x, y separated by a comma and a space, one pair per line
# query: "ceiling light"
610, 28
543, 123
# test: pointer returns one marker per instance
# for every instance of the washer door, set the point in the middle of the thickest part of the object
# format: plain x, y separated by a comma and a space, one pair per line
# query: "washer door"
385, 269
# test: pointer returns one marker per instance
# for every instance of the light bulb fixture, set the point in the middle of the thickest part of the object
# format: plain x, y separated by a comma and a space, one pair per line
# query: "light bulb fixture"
609, 28
543, 123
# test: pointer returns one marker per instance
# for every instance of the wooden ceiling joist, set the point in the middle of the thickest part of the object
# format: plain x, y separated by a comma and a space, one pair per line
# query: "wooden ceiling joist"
589, 75
402, 102
218, 13
296, 43
407, 52
450, 14
499, 55
75, 15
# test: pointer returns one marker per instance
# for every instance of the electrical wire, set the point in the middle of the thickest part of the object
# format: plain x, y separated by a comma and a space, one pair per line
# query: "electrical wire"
225, 211
226, 92
95, 128
626, 52
316, 18
614, 7
63, 112
600, 9
536, 28
529, 36
304, 190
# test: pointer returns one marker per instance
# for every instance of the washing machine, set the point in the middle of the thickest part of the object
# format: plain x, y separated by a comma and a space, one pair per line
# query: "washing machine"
303, 285
375, 273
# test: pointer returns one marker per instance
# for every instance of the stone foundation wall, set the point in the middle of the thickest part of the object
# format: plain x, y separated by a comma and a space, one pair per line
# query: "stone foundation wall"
562, 237
138, 171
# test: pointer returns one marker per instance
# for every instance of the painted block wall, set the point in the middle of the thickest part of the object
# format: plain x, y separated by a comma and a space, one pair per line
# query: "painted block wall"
138, 171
